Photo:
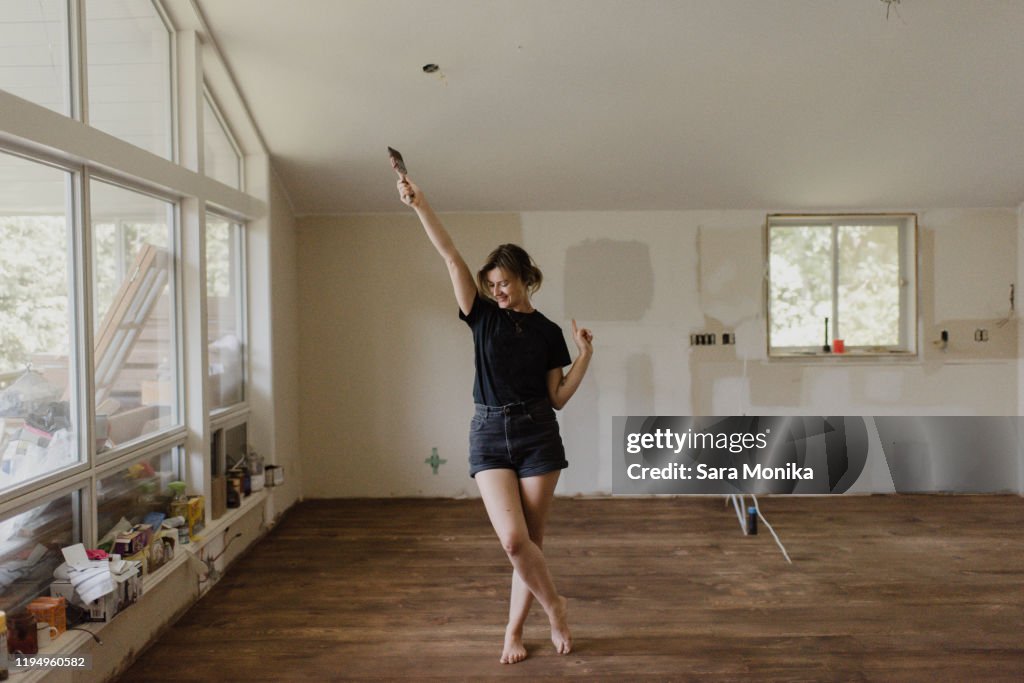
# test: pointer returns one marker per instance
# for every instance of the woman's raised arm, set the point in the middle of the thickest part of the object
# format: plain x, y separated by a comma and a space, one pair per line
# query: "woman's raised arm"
462, 278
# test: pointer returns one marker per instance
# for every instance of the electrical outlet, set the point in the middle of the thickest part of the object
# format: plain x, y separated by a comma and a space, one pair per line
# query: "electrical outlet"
705, 339
981, 335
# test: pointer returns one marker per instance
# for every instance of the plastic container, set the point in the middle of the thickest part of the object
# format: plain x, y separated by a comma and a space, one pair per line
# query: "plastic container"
752, 521
179, 501
179, 508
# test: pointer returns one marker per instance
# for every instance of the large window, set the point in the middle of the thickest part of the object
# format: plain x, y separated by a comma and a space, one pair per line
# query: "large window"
34, 53
845, 278
221, 158
129, 57
104, 400
37, 410
126, 496
224, 308
134, 316
30, 543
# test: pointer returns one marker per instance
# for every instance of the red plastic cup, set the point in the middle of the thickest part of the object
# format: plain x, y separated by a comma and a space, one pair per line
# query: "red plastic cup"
838, 346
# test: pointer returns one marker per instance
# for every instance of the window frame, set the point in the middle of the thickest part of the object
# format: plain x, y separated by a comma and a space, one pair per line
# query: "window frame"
124, 462
82, 498
78, 317
223, 122
908, 346
78, 18
67, 142
67, 84
178, 430
241, 406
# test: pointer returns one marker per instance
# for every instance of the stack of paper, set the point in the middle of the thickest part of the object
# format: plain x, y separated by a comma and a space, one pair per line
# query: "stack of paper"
91, 578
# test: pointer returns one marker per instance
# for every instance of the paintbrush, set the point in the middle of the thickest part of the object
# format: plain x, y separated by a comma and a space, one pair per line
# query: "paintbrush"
398, 163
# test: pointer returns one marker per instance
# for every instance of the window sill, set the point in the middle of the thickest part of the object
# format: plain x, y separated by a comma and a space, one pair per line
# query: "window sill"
839, 357
69, 642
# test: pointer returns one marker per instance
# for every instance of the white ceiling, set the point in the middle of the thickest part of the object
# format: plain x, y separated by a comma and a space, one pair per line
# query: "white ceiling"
635, 104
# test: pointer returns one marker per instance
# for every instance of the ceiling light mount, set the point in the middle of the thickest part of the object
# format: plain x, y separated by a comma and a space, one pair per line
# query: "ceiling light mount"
434, 69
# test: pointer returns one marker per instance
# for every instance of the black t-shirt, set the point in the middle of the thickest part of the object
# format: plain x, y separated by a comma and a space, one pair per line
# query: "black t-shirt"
514, 352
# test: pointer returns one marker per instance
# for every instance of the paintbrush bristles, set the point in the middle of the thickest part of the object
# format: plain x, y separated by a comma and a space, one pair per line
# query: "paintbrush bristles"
397, 162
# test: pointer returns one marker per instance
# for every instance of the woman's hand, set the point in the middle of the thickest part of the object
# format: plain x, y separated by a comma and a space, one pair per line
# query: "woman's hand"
409, 192
584, 339
562, 387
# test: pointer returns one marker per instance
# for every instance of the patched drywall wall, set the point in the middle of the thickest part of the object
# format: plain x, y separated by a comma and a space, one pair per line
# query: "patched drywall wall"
595, 271
386, 366
731, 271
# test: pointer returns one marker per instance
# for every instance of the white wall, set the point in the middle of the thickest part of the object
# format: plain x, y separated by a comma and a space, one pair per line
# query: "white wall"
389, 365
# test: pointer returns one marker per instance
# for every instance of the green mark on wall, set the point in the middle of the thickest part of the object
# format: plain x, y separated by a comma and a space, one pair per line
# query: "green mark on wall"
435, 460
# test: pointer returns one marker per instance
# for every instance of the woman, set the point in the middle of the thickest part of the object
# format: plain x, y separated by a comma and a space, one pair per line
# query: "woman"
516, 453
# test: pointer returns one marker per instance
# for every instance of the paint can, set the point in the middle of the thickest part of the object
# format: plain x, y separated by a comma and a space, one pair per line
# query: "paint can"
257, 475
235, 479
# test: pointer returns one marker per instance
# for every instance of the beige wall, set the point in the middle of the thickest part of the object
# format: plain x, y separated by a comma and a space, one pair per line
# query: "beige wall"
284, 320
387, 367
385, 364
1020, 342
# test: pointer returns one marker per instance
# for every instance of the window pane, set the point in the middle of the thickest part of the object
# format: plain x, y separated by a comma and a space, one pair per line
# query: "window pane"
223, 308
30, 544
869, 285
34, 62
37, 416
134, 313
801, 285
219, 156
129, 57
126, 497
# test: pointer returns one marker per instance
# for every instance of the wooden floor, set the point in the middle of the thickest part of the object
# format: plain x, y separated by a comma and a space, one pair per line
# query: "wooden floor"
882, 588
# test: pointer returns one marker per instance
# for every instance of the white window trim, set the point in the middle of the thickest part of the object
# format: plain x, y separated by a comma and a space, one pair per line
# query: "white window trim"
909, 343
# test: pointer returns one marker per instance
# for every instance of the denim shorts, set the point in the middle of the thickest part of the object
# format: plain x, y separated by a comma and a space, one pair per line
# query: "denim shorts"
520, 436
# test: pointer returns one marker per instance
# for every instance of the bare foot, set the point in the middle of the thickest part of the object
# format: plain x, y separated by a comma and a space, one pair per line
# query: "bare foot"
514, 650
560, 635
